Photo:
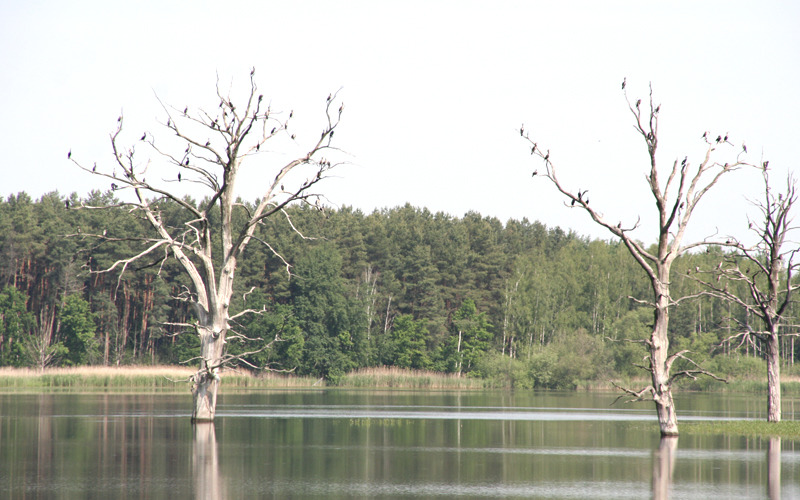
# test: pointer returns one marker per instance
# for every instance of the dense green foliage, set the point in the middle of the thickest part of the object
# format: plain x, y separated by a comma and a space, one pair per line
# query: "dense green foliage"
517, 303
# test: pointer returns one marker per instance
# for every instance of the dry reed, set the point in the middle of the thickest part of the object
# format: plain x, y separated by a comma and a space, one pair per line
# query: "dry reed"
393, 377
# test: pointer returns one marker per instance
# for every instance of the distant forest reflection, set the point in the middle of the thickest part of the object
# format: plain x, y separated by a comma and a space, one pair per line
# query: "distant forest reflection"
378, 444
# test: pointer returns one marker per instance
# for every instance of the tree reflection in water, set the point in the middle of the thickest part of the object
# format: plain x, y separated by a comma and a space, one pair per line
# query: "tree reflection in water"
205, 464
774, 468
663, 466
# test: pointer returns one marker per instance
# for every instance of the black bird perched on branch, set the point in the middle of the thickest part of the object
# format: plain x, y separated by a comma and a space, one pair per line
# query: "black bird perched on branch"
623, 82
69, 155
144, 136
719, 139
94, 168
113, 187
179, 176
638, 103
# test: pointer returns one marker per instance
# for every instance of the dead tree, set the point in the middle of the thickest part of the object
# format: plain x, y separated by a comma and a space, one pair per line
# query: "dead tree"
676, 200
208, 149
766, 271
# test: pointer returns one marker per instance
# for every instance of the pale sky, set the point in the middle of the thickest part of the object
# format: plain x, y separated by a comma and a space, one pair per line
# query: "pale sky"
434, 93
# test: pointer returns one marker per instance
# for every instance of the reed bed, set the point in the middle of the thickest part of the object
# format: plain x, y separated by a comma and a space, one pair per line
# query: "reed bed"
399, 378
159, 378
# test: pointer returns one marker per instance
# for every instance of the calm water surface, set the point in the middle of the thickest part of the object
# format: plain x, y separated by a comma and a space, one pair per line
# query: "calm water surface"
383, 444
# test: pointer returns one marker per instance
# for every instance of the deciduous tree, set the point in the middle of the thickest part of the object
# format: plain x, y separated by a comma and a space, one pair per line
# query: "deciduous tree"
766, 270
676, 201
208, 149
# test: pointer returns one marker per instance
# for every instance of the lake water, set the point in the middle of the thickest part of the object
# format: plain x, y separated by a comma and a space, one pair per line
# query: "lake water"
383, 444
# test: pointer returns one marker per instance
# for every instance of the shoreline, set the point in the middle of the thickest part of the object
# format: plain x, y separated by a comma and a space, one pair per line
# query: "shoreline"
177, 378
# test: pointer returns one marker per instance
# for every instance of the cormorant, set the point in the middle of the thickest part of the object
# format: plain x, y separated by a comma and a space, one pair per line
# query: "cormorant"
291, 113
260, 97
179, 176
683, 163
744, 148
547, 156
705, 135
69, 155
113, 187
534, 173
273, 130
185, 110
638, 103
144, 136
623, 82
331, 134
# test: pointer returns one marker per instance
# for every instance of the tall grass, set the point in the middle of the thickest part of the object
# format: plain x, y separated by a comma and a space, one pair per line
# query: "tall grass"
159, 378
392, 377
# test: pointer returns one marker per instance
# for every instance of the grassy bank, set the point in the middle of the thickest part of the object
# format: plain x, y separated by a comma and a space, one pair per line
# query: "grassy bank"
789, 429
176, 378
145, 378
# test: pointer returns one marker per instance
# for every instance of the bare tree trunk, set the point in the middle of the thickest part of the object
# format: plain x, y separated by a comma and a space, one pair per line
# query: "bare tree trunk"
458, 350
660, 368
773, 378
206, 380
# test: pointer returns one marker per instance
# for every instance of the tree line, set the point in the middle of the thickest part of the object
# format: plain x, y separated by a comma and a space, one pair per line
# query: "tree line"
517, 302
